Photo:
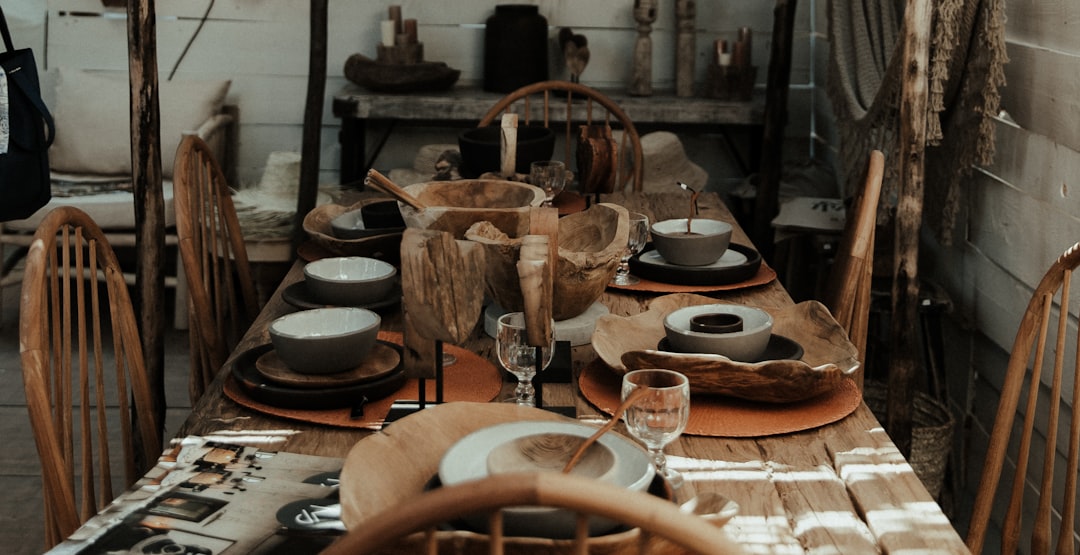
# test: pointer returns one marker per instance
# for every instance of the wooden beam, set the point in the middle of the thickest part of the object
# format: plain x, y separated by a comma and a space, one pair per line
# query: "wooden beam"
313, 110
149, 198
905, 287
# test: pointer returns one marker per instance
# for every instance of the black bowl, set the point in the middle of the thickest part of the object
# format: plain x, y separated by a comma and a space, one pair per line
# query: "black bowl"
381, 214
480, 149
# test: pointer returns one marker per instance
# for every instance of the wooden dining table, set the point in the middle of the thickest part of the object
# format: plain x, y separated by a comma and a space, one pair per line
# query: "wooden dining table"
839, 487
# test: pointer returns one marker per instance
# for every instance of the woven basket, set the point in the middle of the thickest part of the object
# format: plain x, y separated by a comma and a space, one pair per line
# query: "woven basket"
931, 434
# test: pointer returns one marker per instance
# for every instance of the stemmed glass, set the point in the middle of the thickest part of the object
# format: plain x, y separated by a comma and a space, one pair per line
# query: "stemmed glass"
549, 175
659, 414
639, 235
517, 356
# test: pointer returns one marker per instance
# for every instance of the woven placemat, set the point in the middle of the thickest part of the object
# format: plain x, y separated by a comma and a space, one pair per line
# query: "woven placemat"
764, 275
471, 378
728, 417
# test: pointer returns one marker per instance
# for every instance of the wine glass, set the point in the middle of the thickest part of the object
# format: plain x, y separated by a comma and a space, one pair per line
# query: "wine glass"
639, 235
517, 356
549, 175
659, 413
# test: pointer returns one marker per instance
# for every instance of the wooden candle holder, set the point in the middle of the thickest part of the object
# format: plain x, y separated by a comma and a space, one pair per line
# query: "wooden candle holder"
400, 54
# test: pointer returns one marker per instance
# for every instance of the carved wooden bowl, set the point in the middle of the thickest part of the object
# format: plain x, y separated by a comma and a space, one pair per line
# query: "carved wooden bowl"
629, 343
590, 244
453, 206
382, 246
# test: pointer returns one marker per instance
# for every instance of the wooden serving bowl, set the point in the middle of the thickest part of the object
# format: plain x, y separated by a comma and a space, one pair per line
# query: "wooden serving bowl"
590, 244
629, 343
317, 225
453, 206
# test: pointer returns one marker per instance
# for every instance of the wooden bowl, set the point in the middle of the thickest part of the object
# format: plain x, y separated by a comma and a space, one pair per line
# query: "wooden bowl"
590, 244
453, 206
382, 246
629, 343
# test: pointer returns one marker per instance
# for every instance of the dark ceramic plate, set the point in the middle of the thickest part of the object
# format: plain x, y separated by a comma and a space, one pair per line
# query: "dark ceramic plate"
289, 516
299, 296
266, 391
779, 348
650, 265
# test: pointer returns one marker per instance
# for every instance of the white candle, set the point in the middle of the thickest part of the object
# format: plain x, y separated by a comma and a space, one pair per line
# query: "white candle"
725, 59
388, 31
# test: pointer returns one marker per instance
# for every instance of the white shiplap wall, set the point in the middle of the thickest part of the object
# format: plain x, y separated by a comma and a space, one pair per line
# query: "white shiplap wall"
262, 46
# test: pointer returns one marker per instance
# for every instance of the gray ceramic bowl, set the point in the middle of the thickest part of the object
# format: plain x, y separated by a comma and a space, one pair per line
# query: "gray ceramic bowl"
325, 340
705, 244
744, 346
349, 280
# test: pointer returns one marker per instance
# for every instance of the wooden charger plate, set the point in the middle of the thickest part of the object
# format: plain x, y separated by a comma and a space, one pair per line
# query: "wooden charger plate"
383, 359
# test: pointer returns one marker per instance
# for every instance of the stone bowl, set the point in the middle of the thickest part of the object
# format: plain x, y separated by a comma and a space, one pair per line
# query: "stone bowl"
704, 244
590, 244
349, 280
325, 340
481, 149
453, 206
745, 345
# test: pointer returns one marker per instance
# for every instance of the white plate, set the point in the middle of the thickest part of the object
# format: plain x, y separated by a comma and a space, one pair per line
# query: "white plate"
729, 259
467, 460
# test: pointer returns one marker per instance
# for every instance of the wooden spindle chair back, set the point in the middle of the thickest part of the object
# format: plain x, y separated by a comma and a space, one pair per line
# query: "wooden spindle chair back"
848, 291
69, 328
550, 102
663, 525
221, 289
1048, 358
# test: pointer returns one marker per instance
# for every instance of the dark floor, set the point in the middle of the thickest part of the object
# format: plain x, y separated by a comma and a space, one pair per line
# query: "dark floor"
21, 513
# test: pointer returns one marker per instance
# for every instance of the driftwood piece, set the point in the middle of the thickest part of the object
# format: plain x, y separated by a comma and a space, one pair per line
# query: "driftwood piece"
628, 343
508, 144
589, 246
392, 78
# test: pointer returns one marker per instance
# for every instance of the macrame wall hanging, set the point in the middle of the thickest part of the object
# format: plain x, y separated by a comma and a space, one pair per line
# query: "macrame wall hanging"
966, 69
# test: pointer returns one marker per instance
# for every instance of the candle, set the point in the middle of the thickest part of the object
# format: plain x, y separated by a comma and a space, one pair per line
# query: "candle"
395, 16
387, 32
410, 31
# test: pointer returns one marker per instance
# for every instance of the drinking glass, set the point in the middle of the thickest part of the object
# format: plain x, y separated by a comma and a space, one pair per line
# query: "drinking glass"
639, 235
659, 414
517, 356
549, 175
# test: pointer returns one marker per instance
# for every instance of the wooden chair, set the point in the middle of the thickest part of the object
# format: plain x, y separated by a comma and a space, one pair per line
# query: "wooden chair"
656, 517
63, 326
579, 105
221, 288
1031, 337
848, 290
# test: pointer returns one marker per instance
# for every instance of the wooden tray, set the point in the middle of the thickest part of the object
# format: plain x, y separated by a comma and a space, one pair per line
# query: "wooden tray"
627, 343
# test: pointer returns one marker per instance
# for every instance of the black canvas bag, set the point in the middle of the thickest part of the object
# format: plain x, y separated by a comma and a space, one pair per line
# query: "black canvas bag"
24, 167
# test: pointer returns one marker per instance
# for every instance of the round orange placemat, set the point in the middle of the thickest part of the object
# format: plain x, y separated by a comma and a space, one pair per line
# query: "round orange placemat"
764, 275
729, 417
471, 378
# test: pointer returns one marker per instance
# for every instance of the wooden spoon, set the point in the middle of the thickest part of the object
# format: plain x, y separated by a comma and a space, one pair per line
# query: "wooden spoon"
383, 183
615, 416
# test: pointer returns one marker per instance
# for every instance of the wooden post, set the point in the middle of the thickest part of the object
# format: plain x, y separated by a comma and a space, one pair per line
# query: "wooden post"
313, 111
685, 50
641, 79
149, 198
772, 141
905, 288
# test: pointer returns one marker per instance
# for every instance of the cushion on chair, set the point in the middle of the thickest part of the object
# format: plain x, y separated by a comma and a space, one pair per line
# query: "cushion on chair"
92, 120
111, 211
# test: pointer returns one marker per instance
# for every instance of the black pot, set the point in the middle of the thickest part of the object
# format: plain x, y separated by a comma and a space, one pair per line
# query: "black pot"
481, 147
515, 48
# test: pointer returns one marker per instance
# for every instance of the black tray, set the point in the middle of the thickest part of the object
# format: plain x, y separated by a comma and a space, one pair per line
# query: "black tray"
665, 272
299, 296
263, 390
779, 348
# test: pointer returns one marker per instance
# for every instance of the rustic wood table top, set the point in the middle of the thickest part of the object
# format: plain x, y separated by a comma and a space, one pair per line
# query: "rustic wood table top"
839, 487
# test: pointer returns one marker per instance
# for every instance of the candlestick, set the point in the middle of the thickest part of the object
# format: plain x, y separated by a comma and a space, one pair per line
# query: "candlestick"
641, 80
410, 31
685, 11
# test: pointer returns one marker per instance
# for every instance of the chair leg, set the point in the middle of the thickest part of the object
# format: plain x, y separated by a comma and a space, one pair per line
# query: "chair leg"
180, 292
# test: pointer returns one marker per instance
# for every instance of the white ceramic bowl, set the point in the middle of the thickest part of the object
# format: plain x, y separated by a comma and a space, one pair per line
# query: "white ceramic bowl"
705, 244
349, 280
467, 460
744, 346
325, 340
